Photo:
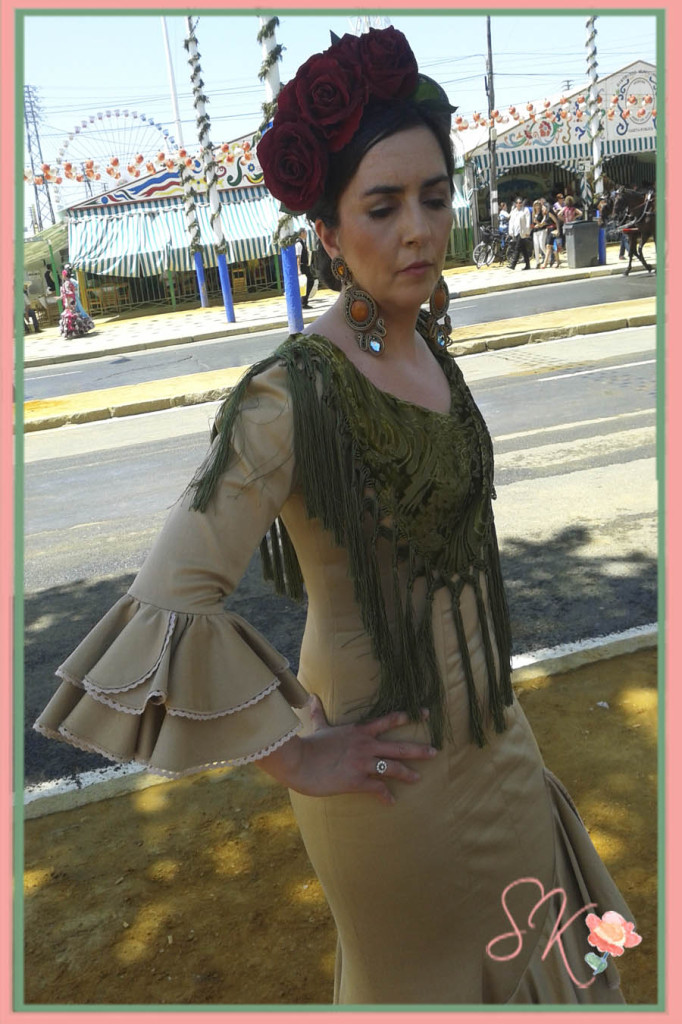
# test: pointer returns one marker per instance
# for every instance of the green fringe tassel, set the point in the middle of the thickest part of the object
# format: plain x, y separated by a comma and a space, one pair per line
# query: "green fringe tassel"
475, 712
494, 691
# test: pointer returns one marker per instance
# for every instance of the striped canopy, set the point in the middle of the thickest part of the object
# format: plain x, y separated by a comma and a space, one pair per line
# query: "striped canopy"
566, 156
146, 239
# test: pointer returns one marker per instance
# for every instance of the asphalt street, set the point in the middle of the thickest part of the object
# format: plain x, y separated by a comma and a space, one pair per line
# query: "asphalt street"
198, 357
574, 429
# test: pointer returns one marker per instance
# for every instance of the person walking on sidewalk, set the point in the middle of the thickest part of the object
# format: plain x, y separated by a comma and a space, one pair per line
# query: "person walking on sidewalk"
356, 459
519, 232
305, 269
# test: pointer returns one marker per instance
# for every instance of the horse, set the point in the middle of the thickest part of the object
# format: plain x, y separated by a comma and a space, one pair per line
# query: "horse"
635, 213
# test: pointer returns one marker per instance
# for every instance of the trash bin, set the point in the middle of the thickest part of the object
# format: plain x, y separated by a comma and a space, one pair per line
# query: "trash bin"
582, 243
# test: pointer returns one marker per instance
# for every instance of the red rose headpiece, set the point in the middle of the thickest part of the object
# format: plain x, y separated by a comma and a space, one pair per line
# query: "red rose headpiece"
319, 110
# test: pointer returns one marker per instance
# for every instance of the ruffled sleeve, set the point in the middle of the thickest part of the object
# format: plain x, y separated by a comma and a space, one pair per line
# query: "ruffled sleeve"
168, 678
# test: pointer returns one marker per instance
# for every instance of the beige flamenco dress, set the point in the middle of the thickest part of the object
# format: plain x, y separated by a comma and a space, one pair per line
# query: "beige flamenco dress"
471, 889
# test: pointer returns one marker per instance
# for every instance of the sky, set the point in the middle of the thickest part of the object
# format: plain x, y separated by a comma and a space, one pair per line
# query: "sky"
81, 65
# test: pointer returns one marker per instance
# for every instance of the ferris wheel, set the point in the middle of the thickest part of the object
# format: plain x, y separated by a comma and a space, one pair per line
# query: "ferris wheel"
365, 23
98, 153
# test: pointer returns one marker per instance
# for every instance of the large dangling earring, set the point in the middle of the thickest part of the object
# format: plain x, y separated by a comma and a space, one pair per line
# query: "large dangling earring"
360, 310
439, 333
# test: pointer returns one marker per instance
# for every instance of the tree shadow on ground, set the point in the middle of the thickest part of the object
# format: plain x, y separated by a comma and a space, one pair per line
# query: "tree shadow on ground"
562, 589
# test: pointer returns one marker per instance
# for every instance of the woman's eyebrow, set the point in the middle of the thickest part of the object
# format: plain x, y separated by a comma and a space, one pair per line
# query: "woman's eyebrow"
389, 190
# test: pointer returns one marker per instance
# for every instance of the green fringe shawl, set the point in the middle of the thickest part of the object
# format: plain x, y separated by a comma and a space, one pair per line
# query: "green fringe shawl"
338, 490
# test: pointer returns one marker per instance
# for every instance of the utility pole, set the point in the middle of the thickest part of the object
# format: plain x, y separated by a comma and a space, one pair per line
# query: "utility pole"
43, 202
171, 81
492, 136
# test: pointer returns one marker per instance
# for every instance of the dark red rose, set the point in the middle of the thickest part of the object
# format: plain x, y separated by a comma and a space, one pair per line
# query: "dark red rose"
329, 92
388, 63
294, 162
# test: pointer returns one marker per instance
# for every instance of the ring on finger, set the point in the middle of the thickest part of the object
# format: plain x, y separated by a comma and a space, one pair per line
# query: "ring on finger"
381, 766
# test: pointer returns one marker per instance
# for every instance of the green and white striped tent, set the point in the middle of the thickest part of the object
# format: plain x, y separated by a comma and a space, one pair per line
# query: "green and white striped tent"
143, 239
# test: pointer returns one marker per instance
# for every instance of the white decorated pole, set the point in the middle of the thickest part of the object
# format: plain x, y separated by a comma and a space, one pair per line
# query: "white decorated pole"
210, 168
595, 126
269, 75
270, 62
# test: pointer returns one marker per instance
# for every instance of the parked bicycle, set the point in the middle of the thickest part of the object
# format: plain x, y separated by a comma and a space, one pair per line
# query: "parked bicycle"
491, 248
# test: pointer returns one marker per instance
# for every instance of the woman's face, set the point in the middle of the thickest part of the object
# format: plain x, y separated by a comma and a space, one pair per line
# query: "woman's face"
394, 220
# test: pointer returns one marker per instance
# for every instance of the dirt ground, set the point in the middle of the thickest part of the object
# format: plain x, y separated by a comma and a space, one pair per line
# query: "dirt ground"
199, 892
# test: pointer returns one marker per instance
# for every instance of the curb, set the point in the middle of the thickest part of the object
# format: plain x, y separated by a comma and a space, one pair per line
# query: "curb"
495, 342
91, 787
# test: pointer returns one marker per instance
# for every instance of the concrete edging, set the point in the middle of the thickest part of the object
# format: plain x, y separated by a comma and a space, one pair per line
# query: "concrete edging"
123, 779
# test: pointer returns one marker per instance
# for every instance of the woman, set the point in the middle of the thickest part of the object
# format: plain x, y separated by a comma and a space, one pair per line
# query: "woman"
73, 323
552, 238
415, 779
570, 211
539, 226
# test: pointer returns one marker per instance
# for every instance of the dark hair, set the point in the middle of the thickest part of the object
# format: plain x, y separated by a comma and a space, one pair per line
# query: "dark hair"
380, 120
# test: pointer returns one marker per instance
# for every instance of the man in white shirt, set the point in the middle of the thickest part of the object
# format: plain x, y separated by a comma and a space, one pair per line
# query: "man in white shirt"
519, 232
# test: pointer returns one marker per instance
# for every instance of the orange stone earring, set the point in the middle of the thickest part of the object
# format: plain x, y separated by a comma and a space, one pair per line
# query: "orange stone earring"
360, 311
439, 333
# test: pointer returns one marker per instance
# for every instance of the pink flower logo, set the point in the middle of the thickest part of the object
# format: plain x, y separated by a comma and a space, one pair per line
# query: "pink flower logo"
611, 934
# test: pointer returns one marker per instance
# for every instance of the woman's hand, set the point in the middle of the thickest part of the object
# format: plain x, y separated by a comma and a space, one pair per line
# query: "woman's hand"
343, 758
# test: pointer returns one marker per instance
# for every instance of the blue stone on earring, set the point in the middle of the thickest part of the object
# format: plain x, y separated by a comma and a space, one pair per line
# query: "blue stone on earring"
376, 345
440, 339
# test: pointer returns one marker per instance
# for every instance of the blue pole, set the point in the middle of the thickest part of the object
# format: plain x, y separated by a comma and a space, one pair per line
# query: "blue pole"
292, 291
602, 247
224, 275
201, 278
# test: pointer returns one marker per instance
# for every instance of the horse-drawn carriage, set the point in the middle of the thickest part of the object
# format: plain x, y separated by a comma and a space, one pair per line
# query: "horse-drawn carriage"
633, 213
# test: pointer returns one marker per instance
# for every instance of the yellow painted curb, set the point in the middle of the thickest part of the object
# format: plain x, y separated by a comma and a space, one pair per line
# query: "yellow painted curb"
86, 406
620, 313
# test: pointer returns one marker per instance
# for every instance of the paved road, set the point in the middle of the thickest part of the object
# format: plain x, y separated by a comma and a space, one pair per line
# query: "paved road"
575, 471
138, 367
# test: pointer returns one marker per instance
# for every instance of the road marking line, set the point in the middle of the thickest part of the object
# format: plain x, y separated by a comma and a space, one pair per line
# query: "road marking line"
564, 453
571, 426
599, 369
51, 376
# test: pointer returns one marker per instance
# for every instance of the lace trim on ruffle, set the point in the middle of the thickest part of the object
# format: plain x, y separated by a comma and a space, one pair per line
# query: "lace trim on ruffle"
196, 715
64, 734
88, 684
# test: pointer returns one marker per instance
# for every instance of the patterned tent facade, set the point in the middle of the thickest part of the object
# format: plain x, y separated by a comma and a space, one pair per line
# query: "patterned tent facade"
629, 139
